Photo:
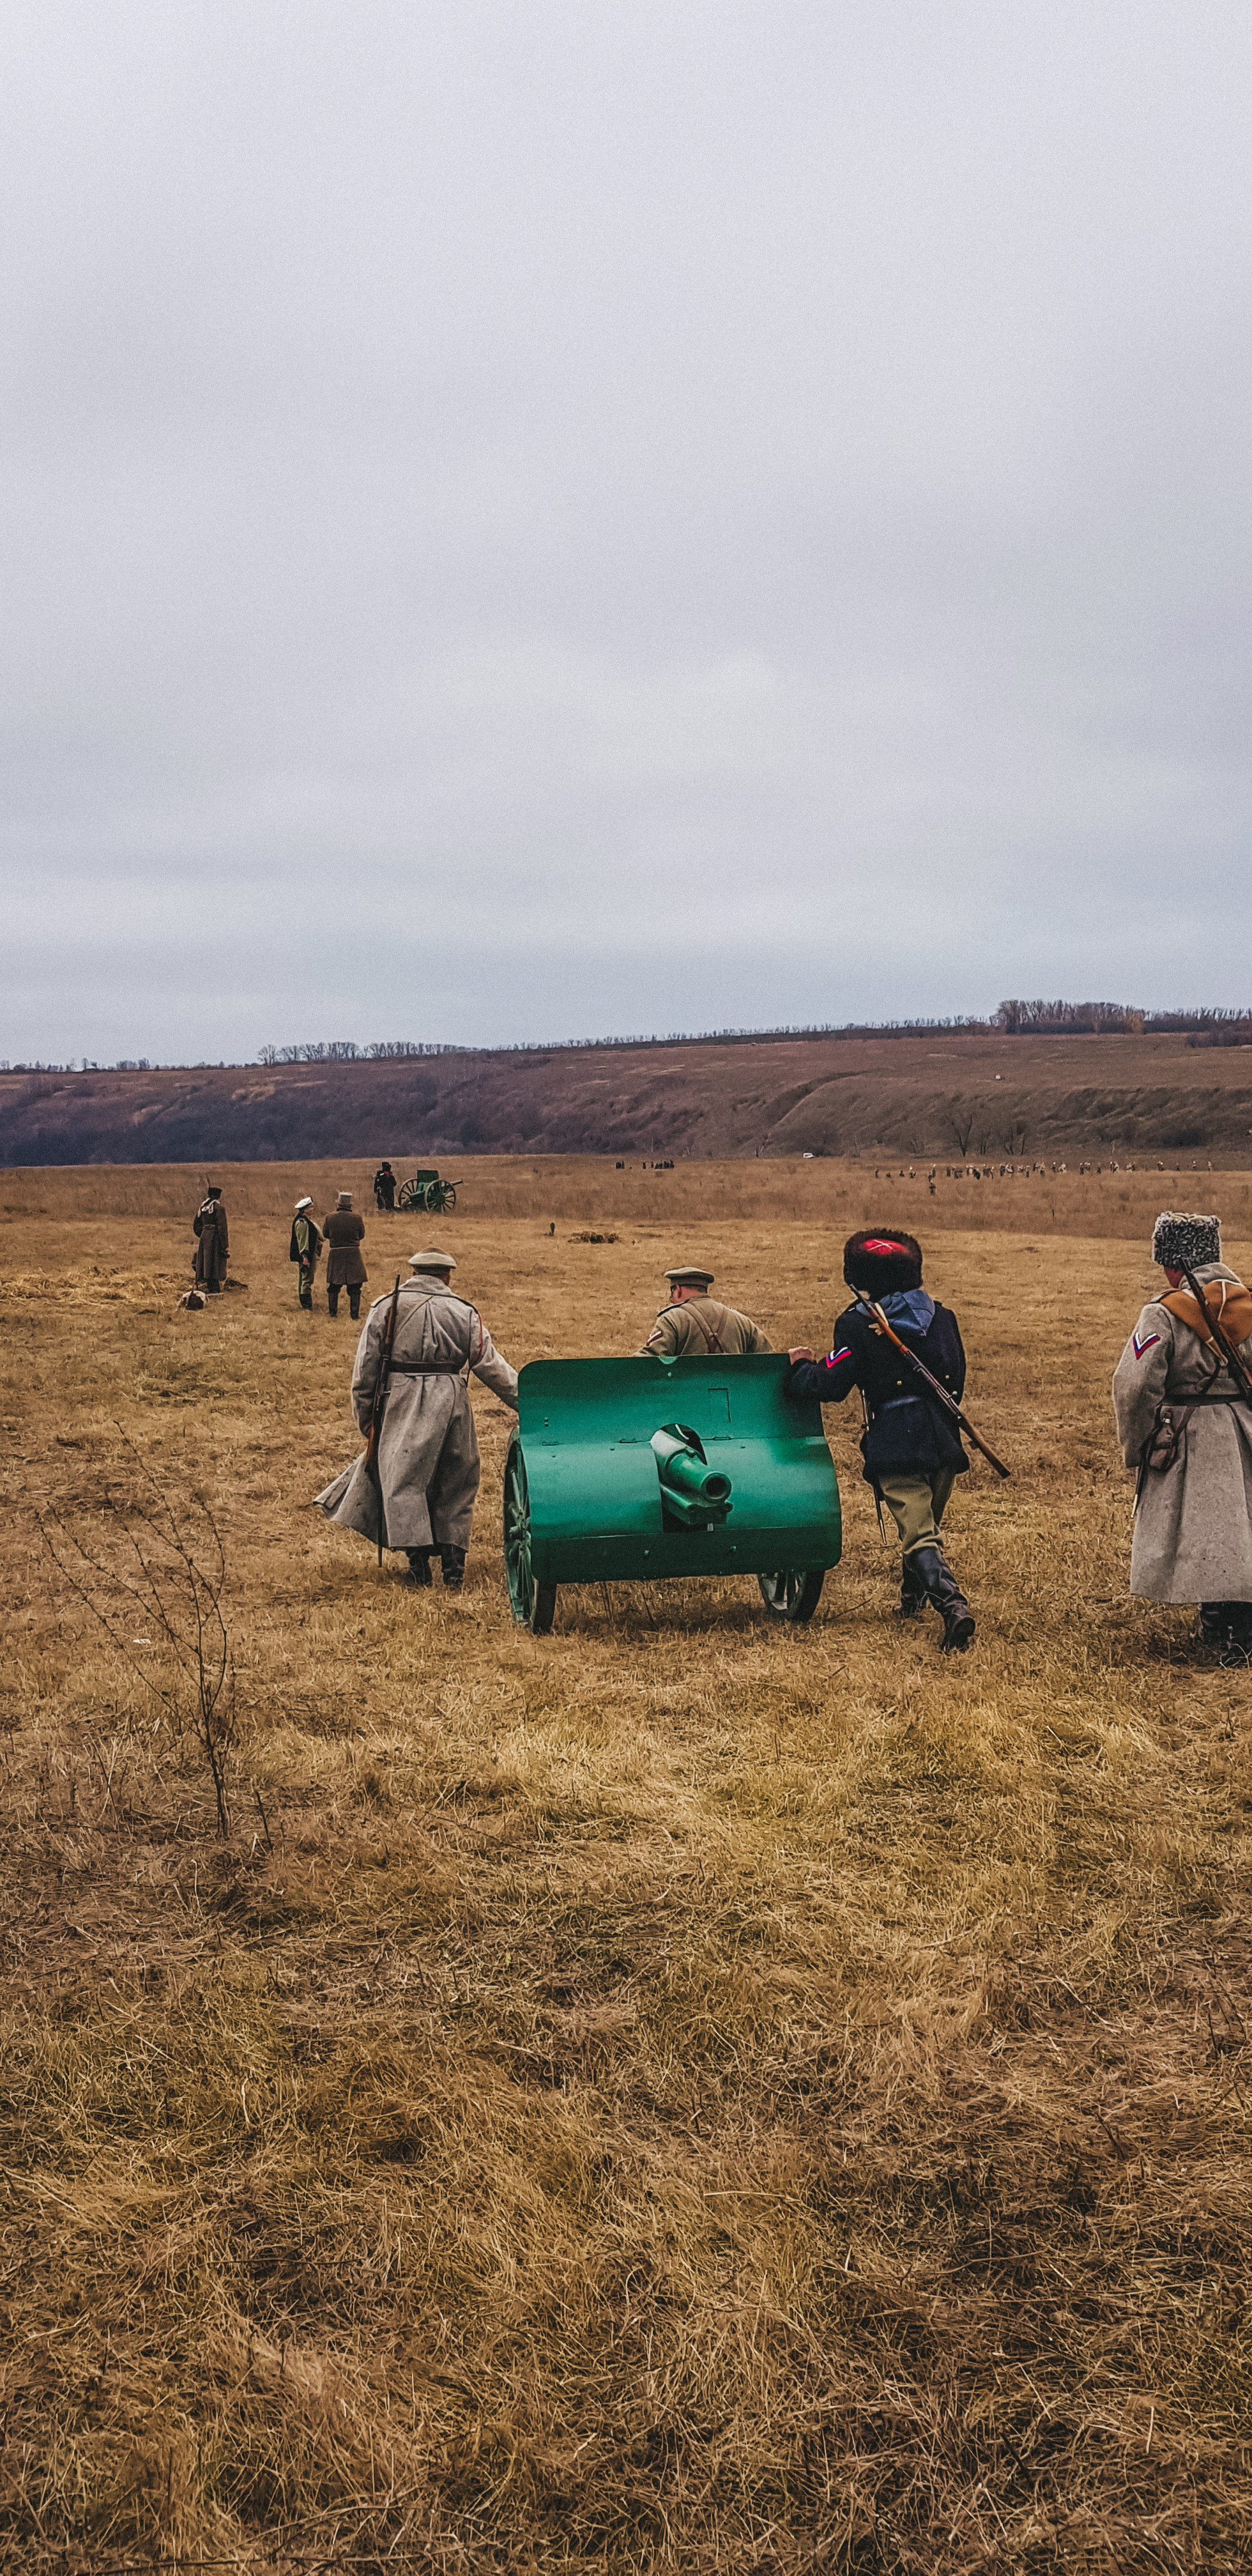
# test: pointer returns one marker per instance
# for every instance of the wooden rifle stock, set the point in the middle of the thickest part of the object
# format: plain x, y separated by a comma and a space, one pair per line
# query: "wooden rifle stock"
378, 1407
948, 1402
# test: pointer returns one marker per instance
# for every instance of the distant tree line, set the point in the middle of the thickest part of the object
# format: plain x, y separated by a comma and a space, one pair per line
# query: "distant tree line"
1066, 1019
346, 1051
1203, 1027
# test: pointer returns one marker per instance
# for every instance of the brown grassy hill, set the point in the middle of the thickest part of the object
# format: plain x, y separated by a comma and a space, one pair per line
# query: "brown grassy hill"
934, 1095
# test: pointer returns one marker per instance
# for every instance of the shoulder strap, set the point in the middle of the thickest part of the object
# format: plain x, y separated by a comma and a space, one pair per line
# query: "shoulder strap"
1227, 1300
711, 1341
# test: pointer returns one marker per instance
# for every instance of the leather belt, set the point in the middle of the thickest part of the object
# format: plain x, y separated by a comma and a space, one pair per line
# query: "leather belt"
427, 1368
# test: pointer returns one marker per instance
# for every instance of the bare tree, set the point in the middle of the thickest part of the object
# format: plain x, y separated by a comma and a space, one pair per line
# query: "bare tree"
959, 1120
174, 1576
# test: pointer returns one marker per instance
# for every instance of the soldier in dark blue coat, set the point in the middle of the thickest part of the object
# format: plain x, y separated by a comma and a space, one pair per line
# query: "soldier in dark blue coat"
912, 1449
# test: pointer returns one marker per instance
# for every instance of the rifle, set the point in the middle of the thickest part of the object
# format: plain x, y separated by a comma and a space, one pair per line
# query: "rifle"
1227, 1348
378, 1406
948, 1402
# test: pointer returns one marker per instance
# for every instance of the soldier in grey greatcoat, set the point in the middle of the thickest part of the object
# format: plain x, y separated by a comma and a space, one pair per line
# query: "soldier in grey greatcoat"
213, 1241
694, 1322
428, 1451
1185, 1429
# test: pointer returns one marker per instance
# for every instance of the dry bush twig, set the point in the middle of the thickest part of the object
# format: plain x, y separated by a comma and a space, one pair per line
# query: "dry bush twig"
179, 1585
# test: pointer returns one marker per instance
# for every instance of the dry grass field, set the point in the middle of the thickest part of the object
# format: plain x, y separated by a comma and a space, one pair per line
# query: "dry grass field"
676, 2095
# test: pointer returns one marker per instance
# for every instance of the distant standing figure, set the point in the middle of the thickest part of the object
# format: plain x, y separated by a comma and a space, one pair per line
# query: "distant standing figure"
1187, 1432
306, 1245
385, 1188
213, 1245
428, 1451
345, 1268
696, 1324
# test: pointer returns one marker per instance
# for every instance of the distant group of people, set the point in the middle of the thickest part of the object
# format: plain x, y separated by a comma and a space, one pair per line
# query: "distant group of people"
341, 1236
1182, 1396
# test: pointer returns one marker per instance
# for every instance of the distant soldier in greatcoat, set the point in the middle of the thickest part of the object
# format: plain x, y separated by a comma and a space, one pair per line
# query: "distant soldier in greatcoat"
428, 1450
384, 1188
912, 1450
695, 1323
306, 1245
1186, 1430
213, 1243
344, 1231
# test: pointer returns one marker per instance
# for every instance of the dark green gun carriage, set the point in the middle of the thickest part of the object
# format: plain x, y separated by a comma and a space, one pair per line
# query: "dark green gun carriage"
428, 1192
622, 1471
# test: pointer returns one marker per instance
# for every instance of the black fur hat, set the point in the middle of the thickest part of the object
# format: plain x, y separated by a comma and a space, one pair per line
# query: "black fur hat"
881, 1260
1189, 1240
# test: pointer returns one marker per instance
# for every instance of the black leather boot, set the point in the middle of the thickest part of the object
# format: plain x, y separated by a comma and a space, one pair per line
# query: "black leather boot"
945, 1594
1236, 1644
453, 1561
419, 1567
912, 1592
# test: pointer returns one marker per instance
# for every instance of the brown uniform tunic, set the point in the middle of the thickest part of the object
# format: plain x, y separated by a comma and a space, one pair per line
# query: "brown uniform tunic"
343, 1232
702, 1327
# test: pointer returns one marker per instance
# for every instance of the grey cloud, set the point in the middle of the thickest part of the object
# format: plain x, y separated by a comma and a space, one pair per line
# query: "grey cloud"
680, 517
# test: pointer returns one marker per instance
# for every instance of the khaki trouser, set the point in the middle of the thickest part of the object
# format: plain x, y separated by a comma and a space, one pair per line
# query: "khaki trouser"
917, 1505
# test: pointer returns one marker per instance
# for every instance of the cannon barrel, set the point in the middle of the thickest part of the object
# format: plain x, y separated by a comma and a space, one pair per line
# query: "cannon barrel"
692, 1489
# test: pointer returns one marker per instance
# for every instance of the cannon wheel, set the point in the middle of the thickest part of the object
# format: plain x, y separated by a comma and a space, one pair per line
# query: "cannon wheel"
792, 1595
533, 1603
440, 1195
409, 1195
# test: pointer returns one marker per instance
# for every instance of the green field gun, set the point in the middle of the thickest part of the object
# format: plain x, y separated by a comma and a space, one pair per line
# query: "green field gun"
428, 1192
626, 1471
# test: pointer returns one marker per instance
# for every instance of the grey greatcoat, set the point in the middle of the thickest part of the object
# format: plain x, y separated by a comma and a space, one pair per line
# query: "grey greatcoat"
428, 1452
1193, 1526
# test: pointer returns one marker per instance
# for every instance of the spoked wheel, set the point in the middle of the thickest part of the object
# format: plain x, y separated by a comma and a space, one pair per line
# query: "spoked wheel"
442, 1197
409, 1195
792, 1595
533, 1603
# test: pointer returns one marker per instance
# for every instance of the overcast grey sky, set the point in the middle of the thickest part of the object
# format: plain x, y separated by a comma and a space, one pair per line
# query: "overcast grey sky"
536, 520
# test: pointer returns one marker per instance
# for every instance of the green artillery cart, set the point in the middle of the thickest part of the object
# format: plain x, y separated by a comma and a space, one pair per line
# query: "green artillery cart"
622, 1471
427, 1191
